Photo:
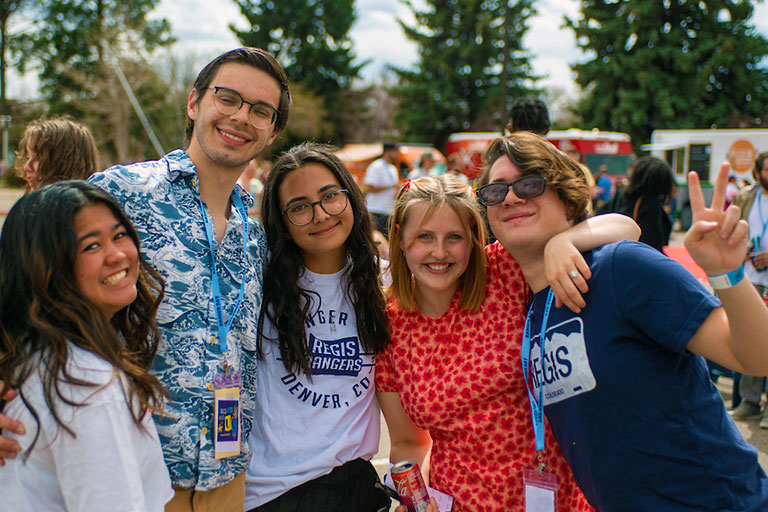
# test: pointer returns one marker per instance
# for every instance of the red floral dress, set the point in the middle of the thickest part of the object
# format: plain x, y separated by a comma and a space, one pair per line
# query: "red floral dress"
459, 377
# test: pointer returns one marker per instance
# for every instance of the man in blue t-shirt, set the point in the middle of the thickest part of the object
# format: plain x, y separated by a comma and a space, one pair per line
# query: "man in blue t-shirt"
624, 387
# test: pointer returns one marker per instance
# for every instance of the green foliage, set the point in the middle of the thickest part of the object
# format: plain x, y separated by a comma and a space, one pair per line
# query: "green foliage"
464, 57
310, 38
66, 45
669, 64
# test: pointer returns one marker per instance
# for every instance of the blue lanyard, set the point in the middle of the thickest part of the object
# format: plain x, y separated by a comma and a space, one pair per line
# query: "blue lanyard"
763, 223
215, 288
537, 408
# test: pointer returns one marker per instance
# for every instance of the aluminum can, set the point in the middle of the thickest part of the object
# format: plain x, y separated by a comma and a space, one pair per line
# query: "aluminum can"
410, 486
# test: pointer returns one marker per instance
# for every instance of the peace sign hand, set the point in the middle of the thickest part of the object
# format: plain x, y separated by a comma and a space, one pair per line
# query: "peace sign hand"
717, 240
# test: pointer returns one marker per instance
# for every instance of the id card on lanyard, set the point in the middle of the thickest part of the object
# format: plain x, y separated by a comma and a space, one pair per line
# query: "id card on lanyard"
227, 414
540, 486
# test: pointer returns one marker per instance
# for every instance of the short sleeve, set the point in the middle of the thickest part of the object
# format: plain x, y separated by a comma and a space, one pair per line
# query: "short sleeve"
658, 296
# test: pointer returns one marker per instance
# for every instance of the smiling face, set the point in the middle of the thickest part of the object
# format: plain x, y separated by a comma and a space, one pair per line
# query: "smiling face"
437, 252
107, 264
322, 242
524, 224
231, 141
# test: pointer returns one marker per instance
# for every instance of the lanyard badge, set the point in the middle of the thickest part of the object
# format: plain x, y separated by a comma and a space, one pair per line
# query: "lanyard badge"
227, 414
540, 486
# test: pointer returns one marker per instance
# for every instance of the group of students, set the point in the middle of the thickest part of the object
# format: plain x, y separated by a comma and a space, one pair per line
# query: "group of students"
477, 343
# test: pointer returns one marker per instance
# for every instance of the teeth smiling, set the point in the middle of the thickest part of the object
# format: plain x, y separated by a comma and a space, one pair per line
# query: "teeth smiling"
115, 277
438, 266
233, 137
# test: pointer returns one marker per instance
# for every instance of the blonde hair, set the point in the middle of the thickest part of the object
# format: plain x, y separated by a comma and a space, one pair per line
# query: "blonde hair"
532, 154
438, 191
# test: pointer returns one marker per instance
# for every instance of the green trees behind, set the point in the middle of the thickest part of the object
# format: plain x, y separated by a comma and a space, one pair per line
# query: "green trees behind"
471, 65
669, 64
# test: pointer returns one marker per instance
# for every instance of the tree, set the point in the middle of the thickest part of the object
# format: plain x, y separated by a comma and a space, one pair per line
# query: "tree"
310, 38
7, 8
471, 65
668, 64
67, 43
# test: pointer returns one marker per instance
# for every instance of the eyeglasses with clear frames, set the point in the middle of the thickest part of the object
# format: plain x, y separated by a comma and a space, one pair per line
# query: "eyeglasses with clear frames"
228, 102
526, 187
333, 202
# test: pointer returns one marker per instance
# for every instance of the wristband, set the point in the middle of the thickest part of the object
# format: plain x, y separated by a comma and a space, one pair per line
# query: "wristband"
722, 281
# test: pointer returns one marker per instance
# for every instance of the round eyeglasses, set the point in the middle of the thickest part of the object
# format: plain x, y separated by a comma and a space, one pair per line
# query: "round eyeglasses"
526, 187
333, 202
228, 102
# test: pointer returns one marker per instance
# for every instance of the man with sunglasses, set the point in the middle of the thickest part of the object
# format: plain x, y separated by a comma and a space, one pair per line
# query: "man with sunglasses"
622, 382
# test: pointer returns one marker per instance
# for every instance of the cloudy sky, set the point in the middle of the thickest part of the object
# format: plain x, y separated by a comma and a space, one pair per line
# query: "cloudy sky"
201, 27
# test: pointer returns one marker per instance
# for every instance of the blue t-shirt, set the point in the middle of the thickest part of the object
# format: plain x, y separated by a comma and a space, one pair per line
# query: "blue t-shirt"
636, 416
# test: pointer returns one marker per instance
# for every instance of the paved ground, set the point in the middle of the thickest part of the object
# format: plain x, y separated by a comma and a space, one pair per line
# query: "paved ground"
749, 429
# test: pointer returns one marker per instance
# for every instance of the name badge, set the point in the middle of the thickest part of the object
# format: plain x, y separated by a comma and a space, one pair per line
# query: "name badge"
540, 491
227, 415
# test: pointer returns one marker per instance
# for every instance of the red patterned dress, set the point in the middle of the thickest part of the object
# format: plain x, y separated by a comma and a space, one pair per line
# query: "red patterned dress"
459, 377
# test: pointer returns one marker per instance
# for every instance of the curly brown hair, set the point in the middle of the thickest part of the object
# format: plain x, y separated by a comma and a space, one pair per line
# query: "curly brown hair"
64, 150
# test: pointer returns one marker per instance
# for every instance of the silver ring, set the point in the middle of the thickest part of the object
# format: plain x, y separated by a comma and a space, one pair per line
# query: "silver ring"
574, 274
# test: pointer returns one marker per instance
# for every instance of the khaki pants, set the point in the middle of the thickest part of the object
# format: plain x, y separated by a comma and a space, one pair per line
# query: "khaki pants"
227, 498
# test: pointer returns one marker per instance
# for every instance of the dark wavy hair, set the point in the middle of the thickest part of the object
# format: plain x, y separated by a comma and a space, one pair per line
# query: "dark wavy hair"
42, 309
529, 114
254, 57
286, 304
651, 177
64, 148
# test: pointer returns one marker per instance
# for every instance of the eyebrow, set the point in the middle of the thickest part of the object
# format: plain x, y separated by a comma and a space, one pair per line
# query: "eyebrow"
305, 198
95, 233
257, 102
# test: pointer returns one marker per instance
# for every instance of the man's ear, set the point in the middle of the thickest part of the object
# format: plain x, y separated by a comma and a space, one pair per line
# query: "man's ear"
192, 104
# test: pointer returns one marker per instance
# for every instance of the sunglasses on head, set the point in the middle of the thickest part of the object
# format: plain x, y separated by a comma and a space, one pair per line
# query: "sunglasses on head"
526, 187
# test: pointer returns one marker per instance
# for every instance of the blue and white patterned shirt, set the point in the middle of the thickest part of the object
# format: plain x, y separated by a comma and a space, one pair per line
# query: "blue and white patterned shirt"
162, 200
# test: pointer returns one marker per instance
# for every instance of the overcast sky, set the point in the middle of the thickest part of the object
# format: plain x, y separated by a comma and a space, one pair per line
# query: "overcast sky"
202, 30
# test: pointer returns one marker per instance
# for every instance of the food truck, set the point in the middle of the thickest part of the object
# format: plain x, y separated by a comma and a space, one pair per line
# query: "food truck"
357, 157
703, 151
595, 148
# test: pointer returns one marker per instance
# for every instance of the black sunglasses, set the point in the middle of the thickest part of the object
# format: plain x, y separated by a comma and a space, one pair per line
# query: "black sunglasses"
526, 187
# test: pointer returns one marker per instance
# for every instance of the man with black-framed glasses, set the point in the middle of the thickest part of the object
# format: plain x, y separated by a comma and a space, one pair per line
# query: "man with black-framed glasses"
192, 220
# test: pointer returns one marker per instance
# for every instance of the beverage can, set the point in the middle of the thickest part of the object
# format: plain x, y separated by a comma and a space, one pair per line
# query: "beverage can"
410, 486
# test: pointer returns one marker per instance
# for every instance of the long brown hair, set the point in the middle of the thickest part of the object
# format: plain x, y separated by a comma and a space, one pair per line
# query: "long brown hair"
65, 150
42, 310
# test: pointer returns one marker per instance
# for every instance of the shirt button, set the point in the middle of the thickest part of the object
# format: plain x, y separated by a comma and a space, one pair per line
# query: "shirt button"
210, 387
194, 182
213, 340
204, 430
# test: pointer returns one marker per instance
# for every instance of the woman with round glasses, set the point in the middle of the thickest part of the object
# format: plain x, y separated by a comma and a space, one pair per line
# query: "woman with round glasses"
317, 424
450, 384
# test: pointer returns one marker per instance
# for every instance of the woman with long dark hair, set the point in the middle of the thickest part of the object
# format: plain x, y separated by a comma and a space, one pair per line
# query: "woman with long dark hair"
317, 423
77, 336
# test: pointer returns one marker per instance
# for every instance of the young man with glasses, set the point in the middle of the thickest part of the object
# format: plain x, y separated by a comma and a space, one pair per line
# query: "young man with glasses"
622, 383
194, 230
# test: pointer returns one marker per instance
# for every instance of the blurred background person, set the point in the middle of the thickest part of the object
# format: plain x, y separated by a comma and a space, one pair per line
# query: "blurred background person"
424, 167
380, 184
56, 149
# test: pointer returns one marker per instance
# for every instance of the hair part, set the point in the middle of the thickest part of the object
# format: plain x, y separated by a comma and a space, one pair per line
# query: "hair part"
64, 150
438, 192
256, 58
42, 310
535, 155
286, 304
